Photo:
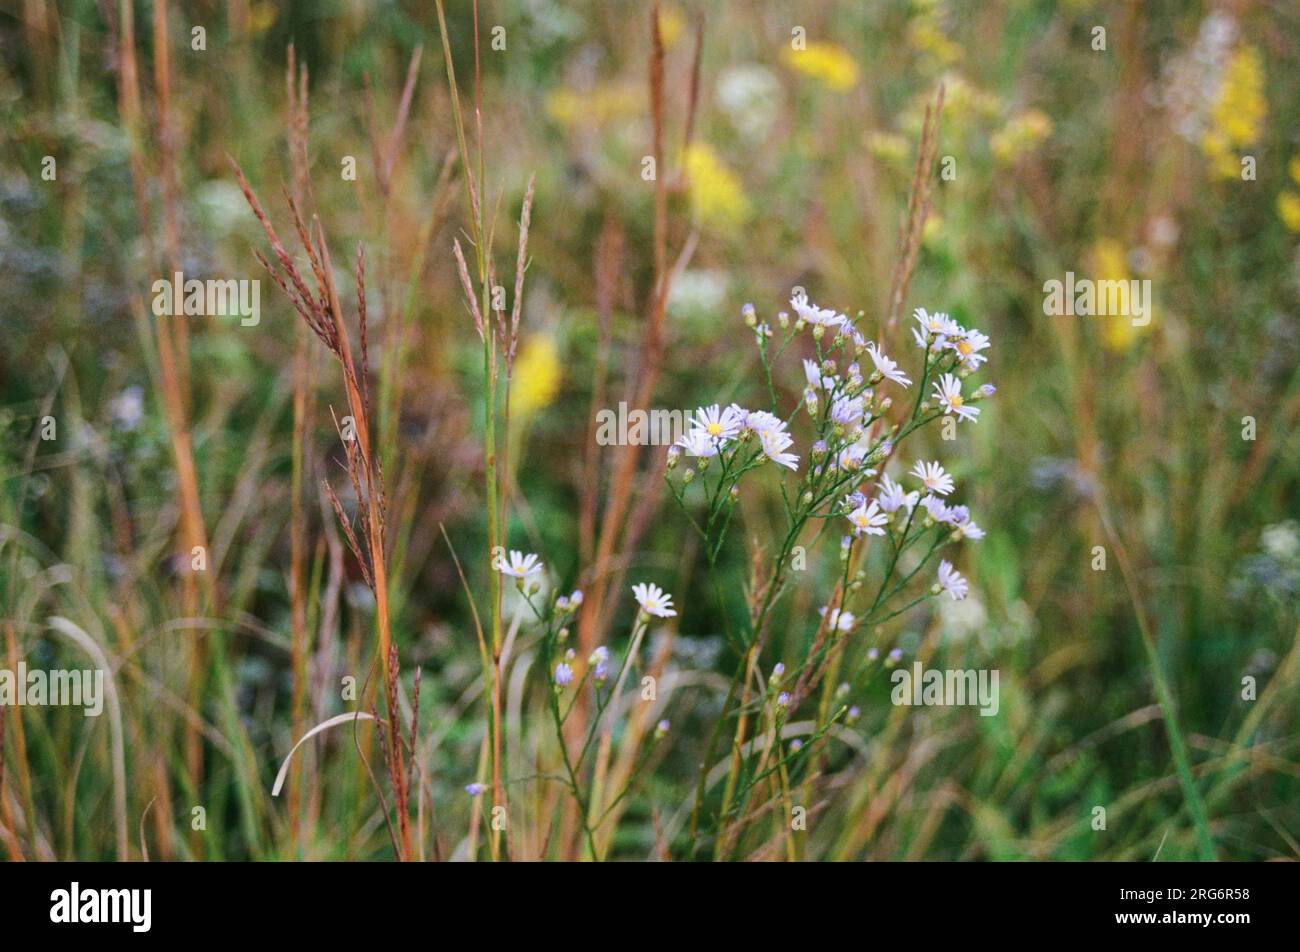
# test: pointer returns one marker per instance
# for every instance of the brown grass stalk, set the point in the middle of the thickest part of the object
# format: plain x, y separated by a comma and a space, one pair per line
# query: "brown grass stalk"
918, 210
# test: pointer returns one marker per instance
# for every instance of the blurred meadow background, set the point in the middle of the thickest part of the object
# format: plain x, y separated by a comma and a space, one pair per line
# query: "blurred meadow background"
786, 140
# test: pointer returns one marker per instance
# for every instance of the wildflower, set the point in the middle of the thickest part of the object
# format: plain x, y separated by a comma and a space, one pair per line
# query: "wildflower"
826, 62
868, 518
936, 509
778, 672
968, 347
697, 442
851, 457
810, 313
847, 410
720, 425
839, 620
934, 328
674, 454
933, 475
476, 789
520, 566
747, 312
563, 675
853, 500
653, 600
662, 728
816, 379
760, 421
895, 656
775, 443
537, 375
853, 713
959, 517
892, 498
951, 581
887, 368
783, 699
873, 654
127, 408
717, 193
983, 392
599, 662
948, 392
795, 746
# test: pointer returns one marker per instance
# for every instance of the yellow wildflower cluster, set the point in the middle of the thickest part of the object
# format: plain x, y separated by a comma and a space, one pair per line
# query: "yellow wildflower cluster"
536, 377
1288, 201
1021, 133
1238, 113
602, 104
1110, 263
827, 63
717, 194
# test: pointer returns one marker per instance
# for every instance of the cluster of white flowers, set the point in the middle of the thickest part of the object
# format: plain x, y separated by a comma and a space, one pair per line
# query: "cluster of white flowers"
713, 428
846, 394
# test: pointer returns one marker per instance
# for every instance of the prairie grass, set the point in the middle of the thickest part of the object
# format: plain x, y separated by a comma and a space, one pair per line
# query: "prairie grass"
348, 674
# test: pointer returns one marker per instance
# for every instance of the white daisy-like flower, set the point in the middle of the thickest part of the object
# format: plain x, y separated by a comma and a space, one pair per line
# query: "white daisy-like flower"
519, 565
951, 581
775, 443
839, 620
721, 425
969, 347
847, 410
934, 328
812, 371
760, 421
868, 519
948, 392
933, 475
810, 313
936, 509
892, 497
653, 600
851, 457
961, 520
697, 442
886, 367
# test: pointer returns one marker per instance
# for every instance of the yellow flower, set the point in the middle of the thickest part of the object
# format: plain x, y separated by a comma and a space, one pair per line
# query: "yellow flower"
1238, 112
1020, 135
888, 146
826, 62
671, 25
600, 105
716, 192
1288, 206
925, 36
1110, 264
537, 376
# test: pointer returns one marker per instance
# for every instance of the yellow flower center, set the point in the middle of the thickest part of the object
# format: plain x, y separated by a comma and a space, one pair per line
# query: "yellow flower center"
964, 348
955, 400
715, 429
